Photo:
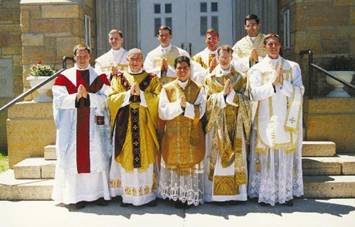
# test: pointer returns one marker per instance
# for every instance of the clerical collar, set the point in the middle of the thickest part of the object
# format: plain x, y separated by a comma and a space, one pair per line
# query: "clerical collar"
165, 49
116, 51
252, 39
272, 61
212, 52
224, 71
134, 73
77, 68
183, 84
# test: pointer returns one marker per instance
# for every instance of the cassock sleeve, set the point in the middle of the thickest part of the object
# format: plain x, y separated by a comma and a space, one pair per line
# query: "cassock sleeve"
150, 99
199, 107
148, 64
168, 110
259, 91
117, 98
288, 86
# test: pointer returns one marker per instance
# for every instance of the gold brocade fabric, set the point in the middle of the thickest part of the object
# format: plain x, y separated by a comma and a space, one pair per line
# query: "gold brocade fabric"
148, 120
169, 56
244, 46
199, 60
225, 185
229, 124
183, 142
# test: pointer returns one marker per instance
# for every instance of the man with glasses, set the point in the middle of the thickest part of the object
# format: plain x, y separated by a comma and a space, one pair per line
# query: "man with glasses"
82, 143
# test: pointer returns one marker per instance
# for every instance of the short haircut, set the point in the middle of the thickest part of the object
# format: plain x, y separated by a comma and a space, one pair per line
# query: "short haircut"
167, 28
135, 51
270, 36
115, 31
81, 46
251, 17
182, 59
226, 48
210, 31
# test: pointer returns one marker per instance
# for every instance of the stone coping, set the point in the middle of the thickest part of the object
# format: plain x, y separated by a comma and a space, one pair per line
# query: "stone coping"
27, 2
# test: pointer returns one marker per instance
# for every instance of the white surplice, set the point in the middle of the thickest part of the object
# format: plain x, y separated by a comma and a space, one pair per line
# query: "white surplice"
276, 153
69, 185
112, 58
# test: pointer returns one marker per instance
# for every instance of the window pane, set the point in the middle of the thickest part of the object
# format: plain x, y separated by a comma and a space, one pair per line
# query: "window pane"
203, 25
168, 8
157, 24
214, 6
169, 22
203, 7
214, 23
157, 8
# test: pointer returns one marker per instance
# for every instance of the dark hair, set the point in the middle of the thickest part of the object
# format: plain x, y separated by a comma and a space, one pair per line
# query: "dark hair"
113, 31
251, 17
226, 48
164, 27
211, 30
272, 35
181, 59
81, 46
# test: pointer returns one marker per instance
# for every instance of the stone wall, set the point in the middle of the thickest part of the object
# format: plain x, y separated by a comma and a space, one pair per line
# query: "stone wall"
51, 29
10, 59
324, 26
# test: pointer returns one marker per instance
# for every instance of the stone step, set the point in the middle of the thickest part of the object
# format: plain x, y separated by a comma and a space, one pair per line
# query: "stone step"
318, 149
50, 153
13, 189
329, 186
342, 164
35, 168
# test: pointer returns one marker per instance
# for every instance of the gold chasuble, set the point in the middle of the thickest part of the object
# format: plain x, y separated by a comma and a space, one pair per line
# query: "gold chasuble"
134, 125
229, 127
244, 46
183, 143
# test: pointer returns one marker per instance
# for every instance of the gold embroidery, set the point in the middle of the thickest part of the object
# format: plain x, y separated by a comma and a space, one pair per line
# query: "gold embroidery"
115, 183
132, 191
225, 185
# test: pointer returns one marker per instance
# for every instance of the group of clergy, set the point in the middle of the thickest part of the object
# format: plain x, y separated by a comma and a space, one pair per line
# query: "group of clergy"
221, 126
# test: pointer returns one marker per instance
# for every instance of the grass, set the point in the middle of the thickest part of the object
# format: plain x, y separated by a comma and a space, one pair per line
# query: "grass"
4, 162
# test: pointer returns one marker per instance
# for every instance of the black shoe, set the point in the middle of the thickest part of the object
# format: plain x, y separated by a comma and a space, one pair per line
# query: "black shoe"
152, 203
264, 204
124, 204
233, 202
179, 205
289, 203
101, 202
76, 206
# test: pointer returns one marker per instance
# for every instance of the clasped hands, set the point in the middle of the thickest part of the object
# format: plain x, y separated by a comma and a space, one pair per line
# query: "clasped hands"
135, 89
82, 92
228, 87
279, 76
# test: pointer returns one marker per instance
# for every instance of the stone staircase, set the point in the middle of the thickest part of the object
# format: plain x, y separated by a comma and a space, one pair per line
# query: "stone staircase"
326, 174
30, 179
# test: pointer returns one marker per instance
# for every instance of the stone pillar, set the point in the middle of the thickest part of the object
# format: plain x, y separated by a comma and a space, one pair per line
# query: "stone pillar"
10, 59
326, 27
50, 29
